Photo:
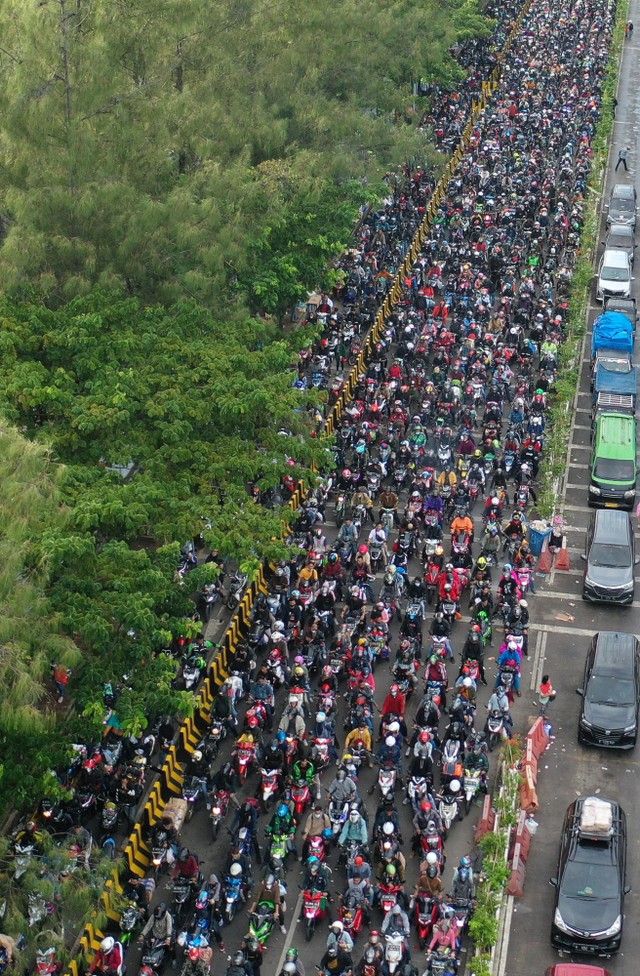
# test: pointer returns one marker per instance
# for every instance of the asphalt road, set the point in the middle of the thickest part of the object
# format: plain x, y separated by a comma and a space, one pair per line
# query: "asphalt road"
568, 769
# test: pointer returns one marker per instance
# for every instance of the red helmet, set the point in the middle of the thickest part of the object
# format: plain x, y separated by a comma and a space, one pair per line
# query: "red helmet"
424, 736
253, 722
363, 549
425, 806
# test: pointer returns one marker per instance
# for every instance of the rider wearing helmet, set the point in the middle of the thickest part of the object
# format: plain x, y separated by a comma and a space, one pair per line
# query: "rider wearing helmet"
159, 927
282, 823
270, 891
354, 829
186, 866
390, 752
108, 959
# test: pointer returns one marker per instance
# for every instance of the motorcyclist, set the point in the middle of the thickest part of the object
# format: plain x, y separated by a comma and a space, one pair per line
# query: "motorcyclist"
396, 922
186, 866
270, 891
390, 752
348, 536
315, 826
283, 824
463, 888
440, 626
429, 884
262, 691
335, 961
159, 927
342, 789
354, 829
445, 935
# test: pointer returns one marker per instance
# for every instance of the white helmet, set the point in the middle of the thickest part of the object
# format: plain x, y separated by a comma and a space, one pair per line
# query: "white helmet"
388, 828
390, 741
394, 728
235, 870
107, 944
196, 755
454, 785
432, 857
278, 625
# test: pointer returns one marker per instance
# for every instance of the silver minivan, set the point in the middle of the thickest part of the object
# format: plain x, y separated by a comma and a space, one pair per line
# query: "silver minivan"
614, 275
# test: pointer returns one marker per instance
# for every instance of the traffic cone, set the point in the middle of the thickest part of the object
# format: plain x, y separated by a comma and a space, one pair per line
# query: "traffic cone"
563, 561
544, 563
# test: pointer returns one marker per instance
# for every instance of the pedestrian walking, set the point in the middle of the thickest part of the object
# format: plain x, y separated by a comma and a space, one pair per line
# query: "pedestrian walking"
622, 158
546, 694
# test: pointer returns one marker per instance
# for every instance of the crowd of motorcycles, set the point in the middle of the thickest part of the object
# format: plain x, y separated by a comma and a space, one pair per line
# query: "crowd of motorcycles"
427, 565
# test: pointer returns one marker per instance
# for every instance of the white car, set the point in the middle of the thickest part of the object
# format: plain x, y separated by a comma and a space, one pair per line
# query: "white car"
614, 275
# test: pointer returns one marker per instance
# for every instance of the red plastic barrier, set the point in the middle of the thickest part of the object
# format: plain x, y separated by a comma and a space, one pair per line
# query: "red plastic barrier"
487, 821
528, 794
515, 886
538, 737
562, 559
523, 835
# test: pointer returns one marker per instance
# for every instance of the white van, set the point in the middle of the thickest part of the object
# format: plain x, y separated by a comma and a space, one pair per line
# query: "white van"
614, 275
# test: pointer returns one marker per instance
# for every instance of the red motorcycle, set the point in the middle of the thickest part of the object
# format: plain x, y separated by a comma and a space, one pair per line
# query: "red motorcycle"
388, 896
318, 847
257, 711
314, 907
352, 917
245, 758
423, 919
219, 807
301, 796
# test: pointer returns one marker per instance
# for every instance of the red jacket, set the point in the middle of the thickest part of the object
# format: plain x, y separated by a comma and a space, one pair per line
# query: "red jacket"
394, 705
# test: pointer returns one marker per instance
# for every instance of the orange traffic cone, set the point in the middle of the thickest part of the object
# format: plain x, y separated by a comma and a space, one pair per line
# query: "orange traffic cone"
544, 563
563, 561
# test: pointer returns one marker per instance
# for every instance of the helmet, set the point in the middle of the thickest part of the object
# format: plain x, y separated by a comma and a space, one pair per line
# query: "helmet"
508, 567
333, 557
337, 926
523, 604
482, 562
278, 624
354, 816
253, 722
107, 944
184, 854
281, 735
358, 861
355, 591
238, 958
341, 775
369, 955
196, 755
332, 951
292, 953
425, 806
194, 953
465, 862
432, 857
394, 689
432, 870
298, 671
390, 741
363, 550
424, 736
390, 870
388, 828
454, 785
374, 937
321, 717
235, 870
283, 810
289, 968
315, 867
467, 683
394, 728
298, 659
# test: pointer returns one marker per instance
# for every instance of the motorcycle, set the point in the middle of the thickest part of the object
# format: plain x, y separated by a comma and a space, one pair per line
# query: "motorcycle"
233, 894
182, 897
450, 807
388, 895
441, 963
352, 917
423, 919
47, 963
338, 813
269, 787
495, 729
417, 790
471, 787
245, 757
387, 775
301, 796
236, 587
219, 807
129, 921
153, 958
393, 952
318, 847
262, 921
193, 792
314, 906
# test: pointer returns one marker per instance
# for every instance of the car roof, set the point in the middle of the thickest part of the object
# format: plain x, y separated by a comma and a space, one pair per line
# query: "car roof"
576, 969
623, 230
615, 257
607, 522
618, 429
623, 190
615, 652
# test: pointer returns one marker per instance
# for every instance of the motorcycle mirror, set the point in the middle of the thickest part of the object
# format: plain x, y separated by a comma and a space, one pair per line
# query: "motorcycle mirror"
583, 556
553, 882
627, 889
580, 691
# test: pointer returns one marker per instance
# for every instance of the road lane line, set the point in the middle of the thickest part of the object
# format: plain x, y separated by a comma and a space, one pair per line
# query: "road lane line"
290, 934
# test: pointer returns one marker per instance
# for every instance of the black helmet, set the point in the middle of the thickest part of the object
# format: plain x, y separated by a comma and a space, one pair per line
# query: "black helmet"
160, 910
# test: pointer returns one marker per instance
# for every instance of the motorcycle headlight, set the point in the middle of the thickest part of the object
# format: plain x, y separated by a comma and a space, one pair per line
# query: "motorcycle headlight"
559, 922
216, 811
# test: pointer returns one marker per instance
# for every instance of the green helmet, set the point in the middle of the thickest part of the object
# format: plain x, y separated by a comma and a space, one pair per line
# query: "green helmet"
292, 953
391, 870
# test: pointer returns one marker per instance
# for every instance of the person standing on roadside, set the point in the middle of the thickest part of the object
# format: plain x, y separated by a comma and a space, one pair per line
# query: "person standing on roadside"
622, 158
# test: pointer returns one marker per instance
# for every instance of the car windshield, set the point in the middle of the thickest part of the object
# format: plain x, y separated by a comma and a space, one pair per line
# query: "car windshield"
616, 365
610, 469
610, 690
586, 880
614, 274
604, 555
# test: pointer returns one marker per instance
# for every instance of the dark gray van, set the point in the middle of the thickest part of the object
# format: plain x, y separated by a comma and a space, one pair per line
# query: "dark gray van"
610, 559
610, 691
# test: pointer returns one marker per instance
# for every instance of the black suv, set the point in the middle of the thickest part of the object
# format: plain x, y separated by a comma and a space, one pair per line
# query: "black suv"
622, 205
610, 559
590, 887
609, 714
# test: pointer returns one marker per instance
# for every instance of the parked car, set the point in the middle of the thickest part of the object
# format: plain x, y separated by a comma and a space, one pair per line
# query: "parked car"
614, 275
626, 306
576, 969
609, 559
620, 237
622, 205
591, 882
613, 471
610, 691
